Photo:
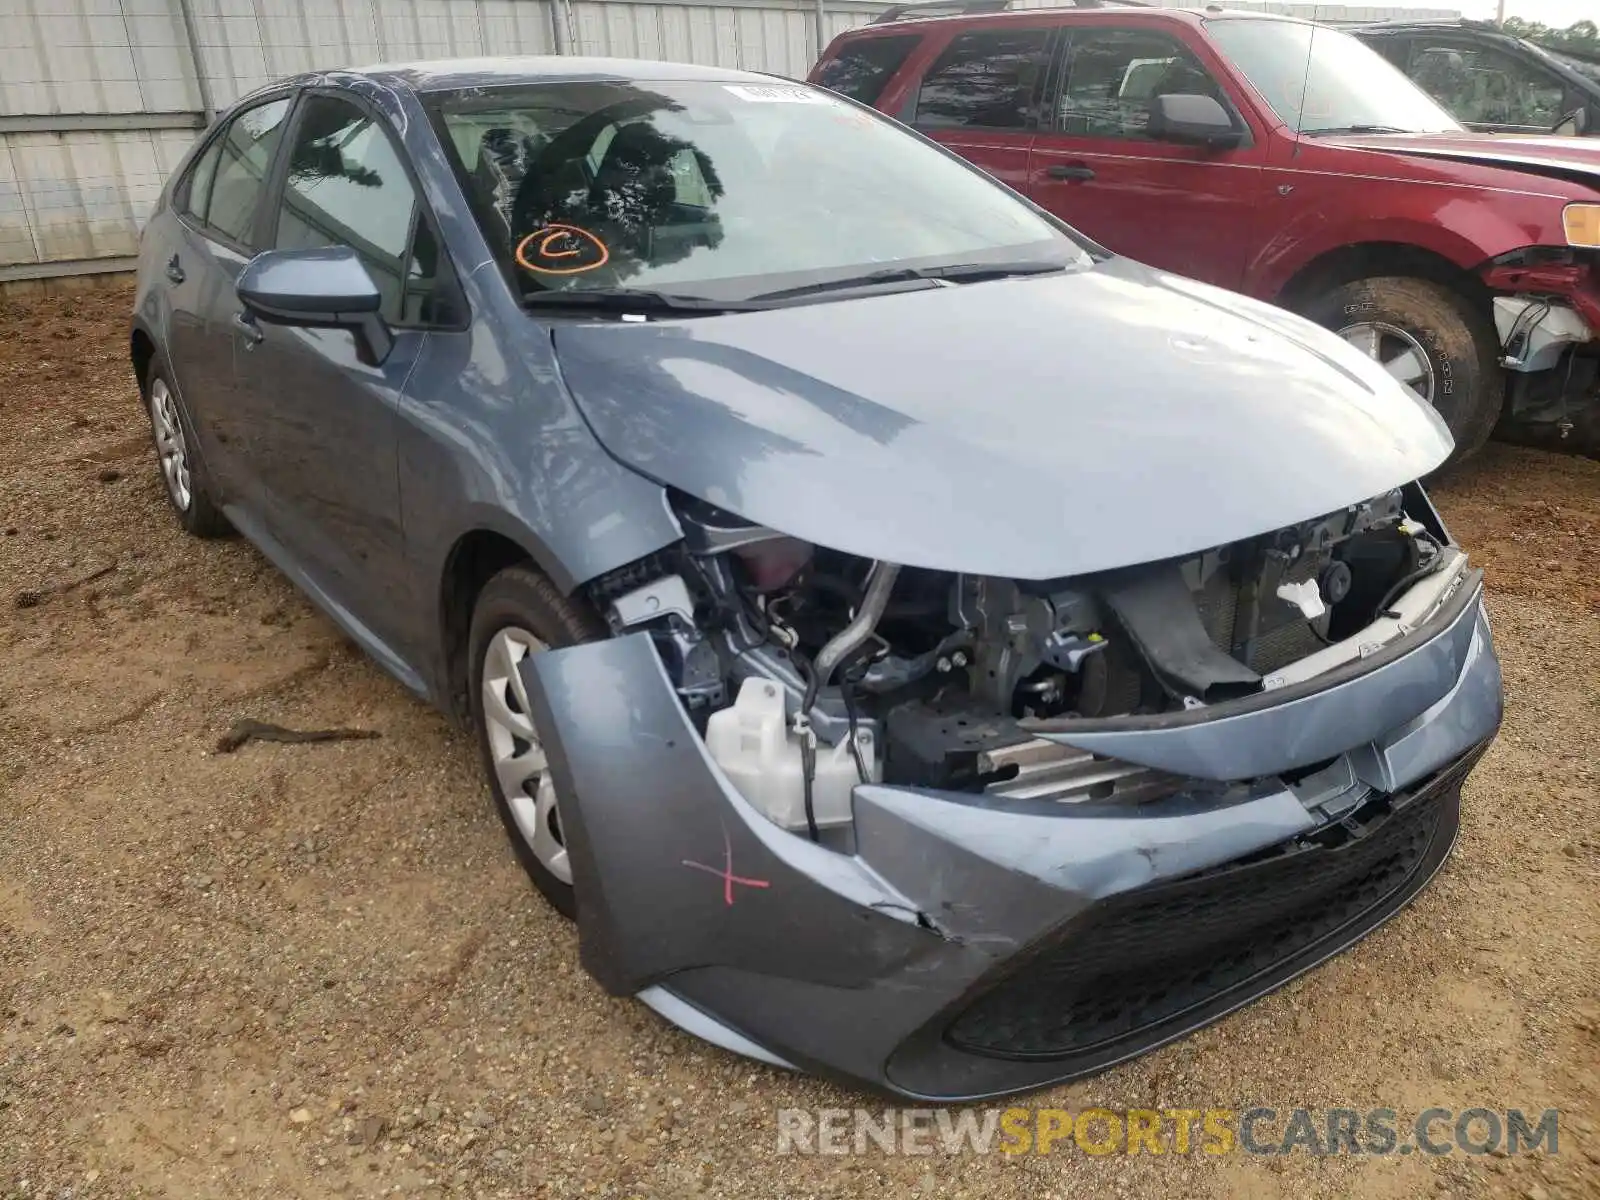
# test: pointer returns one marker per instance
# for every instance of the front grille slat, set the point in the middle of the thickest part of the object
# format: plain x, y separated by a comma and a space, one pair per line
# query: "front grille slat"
1146, 957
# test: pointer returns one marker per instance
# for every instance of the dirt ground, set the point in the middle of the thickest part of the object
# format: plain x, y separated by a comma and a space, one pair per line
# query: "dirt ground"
314, 970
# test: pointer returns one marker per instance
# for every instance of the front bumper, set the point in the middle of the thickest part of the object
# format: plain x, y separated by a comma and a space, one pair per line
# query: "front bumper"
971, 946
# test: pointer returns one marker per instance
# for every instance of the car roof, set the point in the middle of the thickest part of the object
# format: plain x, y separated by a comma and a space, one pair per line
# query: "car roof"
450, 74
1431, 23
1187, 16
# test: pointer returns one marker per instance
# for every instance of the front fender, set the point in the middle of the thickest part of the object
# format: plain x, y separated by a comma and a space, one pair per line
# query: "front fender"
1466, 240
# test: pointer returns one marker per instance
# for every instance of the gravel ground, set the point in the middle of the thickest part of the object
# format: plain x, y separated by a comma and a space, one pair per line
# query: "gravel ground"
316, 970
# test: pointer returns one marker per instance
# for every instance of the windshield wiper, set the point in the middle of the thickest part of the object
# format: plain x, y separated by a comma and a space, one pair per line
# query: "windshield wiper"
633, 300
1355, 129
955, 273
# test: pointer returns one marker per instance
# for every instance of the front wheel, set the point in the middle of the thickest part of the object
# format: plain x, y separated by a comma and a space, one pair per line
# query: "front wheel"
1431, 339
520, 613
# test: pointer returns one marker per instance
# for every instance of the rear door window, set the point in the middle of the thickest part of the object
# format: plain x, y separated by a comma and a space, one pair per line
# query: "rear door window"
986, 79
863, 68
245, 159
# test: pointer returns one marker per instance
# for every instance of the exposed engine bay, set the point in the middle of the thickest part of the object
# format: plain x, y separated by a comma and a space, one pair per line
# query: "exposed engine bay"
810, 671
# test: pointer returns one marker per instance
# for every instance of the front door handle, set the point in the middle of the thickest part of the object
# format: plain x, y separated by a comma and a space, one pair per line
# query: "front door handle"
175, 270
245, 324
1079, 171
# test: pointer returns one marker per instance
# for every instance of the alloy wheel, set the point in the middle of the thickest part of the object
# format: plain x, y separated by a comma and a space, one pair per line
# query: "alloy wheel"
171, 447
1400, 354
517, 753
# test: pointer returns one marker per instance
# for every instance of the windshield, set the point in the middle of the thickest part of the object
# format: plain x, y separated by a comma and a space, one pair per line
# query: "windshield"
720, 190
1321, 81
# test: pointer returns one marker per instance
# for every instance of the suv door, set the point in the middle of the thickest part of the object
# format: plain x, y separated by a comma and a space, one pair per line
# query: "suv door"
216, 204
1489, 86
1186, 208
980, 96
329, 465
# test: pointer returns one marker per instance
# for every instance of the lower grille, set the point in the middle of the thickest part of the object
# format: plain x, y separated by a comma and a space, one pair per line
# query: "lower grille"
1144, 958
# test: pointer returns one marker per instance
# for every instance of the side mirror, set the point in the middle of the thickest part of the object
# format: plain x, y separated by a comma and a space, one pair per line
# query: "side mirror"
1573, 124
318, 289
1193, 121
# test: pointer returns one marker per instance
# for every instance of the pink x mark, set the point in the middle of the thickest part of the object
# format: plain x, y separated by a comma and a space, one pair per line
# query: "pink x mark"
726, 874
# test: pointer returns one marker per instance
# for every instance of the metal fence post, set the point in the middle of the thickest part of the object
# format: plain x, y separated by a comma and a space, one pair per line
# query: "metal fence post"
822, 27
559, 17
191, 37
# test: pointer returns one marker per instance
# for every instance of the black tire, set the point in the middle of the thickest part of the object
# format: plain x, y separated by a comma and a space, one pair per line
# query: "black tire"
1460, 342
521, 598
199, 514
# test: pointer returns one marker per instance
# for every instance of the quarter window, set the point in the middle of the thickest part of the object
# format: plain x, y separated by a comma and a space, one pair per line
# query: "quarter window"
1483, 85
863, 68
244, 158
984, 80
346, 186
430, 295
197, 188
1111, 75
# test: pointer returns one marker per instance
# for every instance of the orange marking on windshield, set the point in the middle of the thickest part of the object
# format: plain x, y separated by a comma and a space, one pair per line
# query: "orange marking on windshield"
547, 242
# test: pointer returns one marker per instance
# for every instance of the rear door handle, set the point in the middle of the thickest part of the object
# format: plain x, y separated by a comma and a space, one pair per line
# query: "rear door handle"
1079, 171
175, 270
245, 324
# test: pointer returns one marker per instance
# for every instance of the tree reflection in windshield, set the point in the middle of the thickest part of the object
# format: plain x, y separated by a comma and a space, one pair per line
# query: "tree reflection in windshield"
718, 190
614, 193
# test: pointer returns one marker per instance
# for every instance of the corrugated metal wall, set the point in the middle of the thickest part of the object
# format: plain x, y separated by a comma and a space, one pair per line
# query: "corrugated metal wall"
81, 81
100, 98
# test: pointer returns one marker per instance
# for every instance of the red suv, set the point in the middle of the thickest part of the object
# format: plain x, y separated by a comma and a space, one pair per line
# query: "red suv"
1287, 161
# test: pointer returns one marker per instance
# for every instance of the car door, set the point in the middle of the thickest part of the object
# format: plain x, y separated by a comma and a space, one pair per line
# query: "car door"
328, 460
1488, 86
1186, 208
216, 205
980, 96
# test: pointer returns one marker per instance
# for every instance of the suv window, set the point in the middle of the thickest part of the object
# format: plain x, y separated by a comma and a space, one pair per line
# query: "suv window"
1486, 85
1111, 75
245, 156
863, 67
985, 79
346, 186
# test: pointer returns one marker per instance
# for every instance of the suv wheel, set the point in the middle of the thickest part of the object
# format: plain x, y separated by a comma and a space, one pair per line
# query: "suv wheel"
520, 613
1430, 338
181, 473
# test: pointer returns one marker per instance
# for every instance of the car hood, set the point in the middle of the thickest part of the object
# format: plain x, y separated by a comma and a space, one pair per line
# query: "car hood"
1577, 159
1033, 428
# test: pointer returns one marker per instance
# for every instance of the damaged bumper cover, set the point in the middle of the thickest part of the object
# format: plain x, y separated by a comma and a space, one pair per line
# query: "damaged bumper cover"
972, 946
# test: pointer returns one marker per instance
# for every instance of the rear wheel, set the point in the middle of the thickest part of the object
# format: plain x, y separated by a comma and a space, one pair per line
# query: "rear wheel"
1429, 338
181, 473
520, 613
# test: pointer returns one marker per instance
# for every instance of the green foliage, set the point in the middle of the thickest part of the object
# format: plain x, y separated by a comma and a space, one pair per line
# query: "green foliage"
1583, 36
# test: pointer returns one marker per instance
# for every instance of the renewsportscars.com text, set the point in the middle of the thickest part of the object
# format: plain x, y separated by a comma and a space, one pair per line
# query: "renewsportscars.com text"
1101, 1131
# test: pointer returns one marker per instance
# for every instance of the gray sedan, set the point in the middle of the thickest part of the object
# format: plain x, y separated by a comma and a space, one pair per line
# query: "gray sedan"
914, 644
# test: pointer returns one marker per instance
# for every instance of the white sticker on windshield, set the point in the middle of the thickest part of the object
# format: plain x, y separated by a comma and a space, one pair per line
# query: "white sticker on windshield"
775, 93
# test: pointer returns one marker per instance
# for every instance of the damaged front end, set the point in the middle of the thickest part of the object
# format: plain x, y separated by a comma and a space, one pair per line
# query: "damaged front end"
1547, 316
955, 836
